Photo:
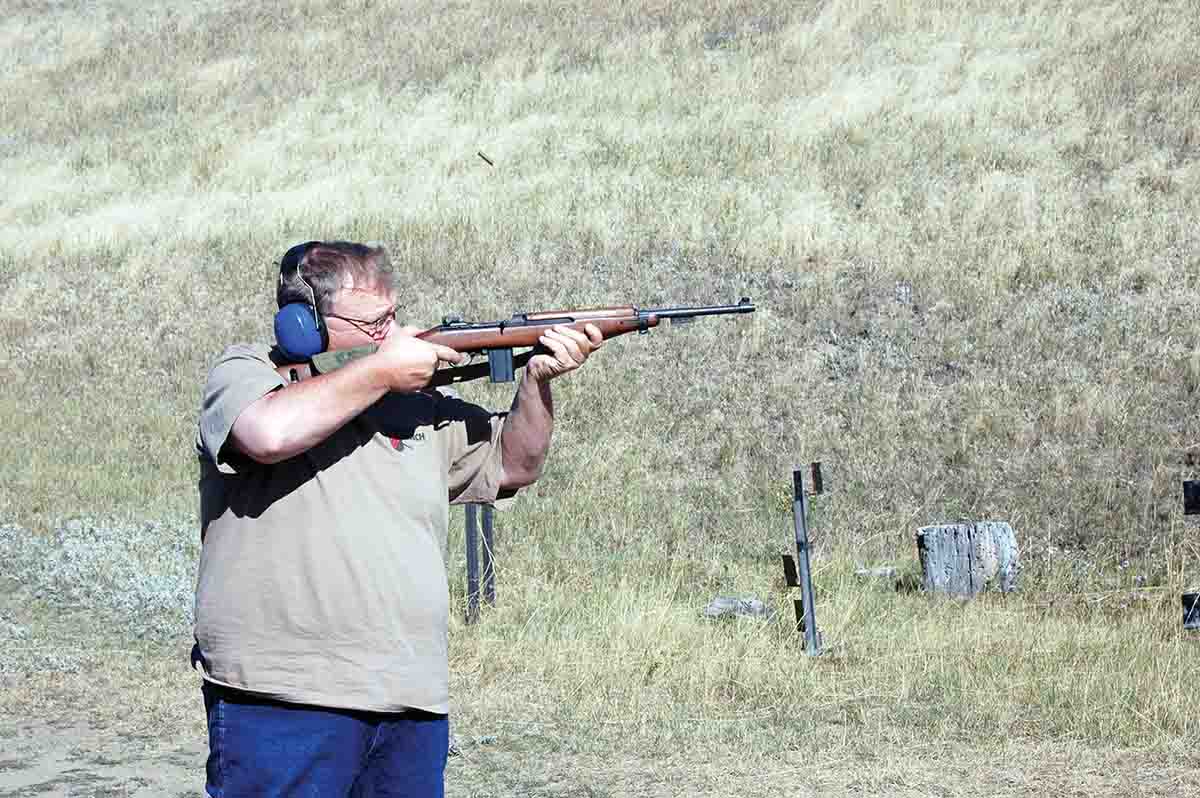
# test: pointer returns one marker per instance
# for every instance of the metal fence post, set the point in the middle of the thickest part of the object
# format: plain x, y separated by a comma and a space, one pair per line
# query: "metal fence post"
489, 572
1191, 601
472, 565
797, 572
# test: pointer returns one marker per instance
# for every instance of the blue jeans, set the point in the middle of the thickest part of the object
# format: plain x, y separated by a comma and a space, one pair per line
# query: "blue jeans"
269, 749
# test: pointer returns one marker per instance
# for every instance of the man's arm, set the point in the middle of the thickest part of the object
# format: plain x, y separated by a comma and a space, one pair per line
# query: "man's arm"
525, 437
292, 420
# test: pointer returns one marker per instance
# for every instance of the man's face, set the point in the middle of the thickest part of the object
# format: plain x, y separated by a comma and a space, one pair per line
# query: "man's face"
361, 315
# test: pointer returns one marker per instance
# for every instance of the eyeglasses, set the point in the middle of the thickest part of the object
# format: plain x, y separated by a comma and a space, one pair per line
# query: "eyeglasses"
373, 328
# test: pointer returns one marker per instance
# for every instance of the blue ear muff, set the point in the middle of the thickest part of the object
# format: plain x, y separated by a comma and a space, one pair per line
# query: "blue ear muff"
298, 332
299, 329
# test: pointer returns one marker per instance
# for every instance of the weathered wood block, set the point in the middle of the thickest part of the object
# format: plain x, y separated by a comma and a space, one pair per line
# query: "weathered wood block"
967, 558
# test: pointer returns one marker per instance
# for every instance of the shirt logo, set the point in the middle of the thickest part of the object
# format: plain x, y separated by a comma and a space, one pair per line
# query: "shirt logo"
399, 443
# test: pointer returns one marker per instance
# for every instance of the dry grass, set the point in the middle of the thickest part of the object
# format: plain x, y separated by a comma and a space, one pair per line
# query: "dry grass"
969, 227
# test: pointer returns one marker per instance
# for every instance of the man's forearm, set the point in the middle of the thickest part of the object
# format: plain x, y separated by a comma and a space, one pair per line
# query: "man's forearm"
525, 438
290, 421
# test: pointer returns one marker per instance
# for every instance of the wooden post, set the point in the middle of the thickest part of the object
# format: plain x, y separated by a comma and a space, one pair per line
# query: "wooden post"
965, 558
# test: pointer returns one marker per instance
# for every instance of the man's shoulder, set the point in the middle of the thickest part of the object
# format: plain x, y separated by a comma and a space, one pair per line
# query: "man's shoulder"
244, 364
237, 357
246, 351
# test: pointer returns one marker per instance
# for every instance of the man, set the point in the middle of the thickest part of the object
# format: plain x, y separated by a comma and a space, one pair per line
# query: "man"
322, 599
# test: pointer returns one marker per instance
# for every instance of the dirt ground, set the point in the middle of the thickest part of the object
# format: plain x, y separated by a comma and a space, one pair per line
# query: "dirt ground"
41, 760
76, 761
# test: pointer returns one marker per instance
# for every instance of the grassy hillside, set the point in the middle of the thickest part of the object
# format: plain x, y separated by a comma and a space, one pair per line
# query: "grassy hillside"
970, 229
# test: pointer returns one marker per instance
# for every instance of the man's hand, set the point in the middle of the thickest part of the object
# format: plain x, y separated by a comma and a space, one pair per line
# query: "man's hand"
568, 347
408, 363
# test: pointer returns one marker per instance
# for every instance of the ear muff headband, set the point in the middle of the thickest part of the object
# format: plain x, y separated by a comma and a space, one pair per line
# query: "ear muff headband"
300, 329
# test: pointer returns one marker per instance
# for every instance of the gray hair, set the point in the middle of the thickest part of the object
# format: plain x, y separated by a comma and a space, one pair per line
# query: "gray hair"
326, 265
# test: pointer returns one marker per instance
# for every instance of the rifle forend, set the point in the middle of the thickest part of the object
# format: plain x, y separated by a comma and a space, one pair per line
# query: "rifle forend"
499, 338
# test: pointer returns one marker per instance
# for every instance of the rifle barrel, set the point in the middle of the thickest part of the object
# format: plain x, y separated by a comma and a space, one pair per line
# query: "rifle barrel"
744, 306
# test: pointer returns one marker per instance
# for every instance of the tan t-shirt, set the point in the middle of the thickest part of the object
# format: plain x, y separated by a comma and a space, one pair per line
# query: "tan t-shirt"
321, 578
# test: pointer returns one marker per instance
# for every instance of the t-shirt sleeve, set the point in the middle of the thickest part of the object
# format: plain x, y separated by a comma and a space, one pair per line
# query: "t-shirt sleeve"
472, 438
241, 376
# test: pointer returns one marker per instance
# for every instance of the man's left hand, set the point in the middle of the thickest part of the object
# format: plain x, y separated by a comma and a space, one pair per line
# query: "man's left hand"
568, 349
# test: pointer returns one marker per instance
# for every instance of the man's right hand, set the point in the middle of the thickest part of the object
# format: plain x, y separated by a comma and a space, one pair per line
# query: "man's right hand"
407, 363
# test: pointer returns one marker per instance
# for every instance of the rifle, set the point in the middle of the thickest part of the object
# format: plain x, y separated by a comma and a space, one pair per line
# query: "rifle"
498, 338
